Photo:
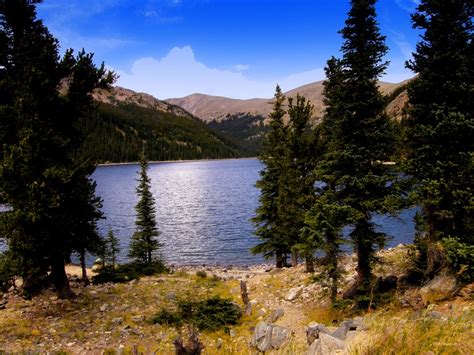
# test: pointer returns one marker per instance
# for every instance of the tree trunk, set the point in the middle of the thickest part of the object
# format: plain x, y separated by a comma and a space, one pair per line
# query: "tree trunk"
364, 272
294, 258
309, 260
279, 259
60, 280
85, 279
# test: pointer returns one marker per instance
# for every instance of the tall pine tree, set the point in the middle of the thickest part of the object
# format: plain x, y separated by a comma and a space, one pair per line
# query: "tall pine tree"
359, 134
144, 244
440, 124
40, 177
269, 225
326, 218
297, 185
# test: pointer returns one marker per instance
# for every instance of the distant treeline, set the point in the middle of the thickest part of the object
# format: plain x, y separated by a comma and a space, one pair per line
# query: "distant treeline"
118, 133
245, 130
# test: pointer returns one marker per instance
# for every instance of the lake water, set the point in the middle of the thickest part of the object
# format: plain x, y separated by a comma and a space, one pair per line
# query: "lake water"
203, 210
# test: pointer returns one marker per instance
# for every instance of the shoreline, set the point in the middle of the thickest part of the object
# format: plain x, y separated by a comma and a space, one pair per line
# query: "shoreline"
173, 161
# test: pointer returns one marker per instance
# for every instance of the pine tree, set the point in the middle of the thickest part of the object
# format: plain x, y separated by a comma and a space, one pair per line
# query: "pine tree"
144, 244
267, 219
112, 248
296, 188
358, 133
327, 217
39, 175
440, 124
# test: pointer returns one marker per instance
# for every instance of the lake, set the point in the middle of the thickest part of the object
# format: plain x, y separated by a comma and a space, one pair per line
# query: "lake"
202, 210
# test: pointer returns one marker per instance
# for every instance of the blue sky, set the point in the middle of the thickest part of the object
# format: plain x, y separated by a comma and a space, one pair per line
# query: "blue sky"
233, 48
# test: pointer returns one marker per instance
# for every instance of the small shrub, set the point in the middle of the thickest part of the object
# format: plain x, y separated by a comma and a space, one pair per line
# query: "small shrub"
211, 314
7, 272
128, 272
201, 274
460, 258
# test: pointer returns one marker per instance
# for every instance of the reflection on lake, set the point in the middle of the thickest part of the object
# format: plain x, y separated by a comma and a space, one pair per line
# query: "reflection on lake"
203, 209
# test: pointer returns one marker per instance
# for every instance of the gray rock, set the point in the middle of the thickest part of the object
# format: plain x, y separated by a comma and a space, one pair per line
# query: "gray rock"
313, 330
438, 289
325, 345
279, 336
138, 319
171, 296
267, 336
117, 321
293, 294
104, 307
344, 327
275, 315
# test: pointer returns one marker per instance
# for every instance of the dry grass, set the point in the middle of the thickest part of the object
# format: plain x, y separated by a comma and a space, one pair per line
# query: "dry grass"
446, 330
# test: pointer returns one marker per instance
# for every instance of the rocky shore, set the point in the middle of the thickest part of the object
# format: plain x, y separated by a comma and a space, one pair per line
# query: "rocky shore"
287, 311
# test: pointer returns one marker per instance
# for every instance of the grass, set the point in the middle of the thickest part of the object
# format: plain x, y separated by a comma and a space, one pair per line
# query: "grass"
408, 332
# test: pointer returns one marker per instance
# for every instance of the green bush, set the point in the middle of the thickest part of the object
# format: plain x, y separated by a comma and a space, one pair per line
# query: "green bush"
211, 314
128, 272
7, 272
201, 274
460, 258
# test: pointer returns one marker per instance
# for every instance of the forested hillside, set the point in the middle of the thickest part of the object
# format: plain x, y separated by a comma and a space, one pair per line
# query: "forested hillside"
117, 133
246, 130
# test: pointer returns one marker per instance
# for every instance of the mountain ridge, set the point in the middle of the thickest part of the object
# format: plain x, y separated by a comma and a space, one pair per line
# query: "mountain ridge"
218, 108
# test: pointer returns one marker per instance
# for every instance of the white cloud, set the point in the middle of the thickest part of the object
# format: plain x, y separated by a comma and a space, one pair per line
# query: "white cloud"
240, 67
179, 74
408, 5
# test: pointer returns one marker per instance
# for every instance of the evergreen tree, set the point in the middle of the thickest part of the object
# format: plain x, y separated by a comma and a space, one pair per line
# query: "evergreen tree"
112, 248
358, 133
327, 217
440, 124
267, 219
39, 175
297, 181
144, 244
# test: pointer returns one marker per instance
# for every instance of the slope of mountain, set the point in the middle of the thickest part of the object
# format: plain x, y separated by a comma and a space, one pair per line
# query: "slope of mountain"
125, 121
216, 108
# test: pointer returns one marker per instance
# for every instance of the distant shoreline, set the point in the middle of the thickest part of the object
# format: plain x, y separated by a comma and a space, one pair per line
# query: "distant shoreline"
173, 161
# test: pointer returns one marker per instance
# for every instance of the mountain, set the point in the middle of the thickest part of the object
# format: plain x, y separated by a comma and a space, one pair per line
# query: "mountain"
217, 108
125, 120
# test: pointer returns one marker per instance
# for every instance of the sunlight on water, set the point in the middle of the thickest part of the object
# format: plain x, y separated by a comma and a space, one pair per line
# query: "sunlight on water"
203, 210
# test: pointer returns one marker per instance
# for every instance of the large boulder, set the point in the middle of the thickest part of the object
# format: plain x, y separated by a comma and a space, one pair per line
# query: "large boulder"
313, 330
326, 345
438, 289
267, 336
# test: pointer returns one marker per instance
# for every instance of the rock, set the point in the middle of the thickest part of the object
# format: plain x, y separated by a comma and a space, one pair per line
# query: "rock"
120, 350
279, 336
344, 327
219, 343
438, 289
359, 323
325, 345
275, 315
171, 296
138, 319
70, 344
104, 307
267, 336
293, 294
117, 321
313, 330
232, 333
262, 312
437, 315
